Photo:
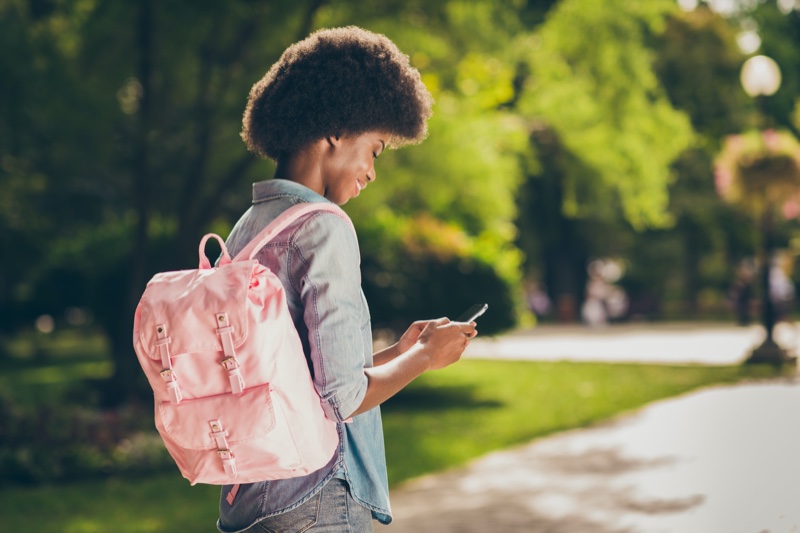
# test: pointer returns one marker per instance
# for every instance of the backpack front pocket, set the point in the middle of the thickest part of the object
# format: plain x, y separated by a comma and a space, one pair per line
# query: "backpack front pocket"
245, 417
229, 438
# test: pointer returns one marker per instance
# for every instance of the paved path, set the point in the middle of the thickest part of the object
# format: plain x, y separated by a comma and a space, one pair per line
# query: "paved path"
721, 460
676, 343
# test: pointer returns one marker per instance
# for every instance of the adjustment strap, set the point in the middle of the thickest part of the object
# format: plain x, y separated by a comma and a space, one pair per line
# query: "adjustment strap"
167, 374
232, 494
224, 453
230, 363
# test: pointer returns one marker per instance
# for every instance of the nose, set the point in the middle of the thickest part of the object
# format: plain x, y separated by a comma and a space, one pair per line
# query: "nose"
371, 175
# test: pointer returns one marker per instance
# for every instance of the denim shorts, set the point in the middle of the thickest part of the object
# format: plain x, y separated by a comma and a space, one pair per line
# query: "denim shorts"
332, 510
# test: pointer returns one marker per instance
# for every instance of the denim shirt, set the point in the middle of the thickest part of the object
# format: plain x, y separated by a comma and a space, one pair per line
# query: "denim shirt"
317, 260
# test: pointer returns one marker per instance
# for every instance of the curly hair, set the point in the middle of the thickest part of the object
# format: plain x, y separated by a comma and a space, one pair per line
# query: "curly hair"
341, 81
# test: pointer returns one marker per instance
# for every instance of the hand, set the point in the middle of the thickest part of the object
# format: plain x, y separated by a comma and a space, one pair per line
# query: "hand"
411, 335
434, 344
444, 341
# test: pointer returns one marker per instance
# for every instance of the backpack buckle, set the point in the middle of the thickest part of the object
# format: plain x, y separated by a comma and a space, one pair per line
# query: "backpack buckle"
226, 455
231, 363
228, 462
171, 379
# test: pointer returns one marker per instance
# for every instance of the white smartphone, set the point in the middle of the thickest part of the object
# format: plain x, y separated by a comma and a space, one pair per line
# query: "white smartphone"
472, 313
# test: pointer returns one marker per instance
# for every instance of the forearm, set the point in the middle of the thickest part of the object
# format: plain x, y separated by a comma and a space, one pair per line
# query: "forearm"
388, 378
433, 344
382, 357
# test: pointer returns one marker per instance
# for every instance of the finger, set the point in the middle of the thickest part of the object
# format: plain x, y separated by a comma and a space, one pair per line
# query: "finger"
432, 324
467, 327
441, 321
419, 325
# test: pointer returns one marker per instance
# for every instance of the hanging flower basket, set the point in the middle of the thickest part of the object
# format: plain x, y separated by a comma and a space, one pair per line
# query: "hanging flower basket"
760, 170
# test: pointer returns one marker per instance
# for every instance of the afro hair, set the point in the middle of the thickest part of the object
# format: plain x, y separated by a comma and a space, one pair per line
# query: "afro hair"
341, 81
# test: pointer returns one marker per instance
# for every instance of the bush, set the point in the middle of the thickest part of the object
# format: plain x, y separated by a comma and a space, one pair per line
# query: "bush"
422, 267
64, 443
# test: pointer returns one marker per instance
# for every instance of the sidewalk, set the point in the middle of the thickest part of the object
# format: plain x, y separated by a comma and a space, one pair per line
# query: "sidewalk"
721, 460
674, 343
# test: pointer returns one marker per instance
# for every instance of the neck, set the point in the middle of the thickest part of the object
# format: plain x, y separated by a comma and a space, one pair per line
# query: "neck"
303, 167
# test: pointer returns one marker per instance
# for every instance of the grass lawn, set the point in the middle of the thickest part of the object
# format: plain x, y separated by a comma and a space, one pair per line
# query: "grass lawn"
152, 505
443, 419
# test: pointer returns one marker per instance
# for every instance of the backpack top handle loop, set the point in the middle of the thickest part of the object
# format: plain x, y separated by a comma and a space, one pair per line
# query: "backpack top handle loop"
204, 262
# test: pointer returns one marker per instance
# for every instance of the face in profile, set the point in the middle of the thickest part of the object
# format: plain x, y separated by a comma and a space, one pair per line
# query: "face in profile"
349, 165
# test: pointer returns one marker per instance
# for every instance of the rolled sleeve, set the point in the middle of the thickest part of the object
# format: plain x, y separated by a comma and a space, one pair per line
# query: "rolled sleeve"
329, 277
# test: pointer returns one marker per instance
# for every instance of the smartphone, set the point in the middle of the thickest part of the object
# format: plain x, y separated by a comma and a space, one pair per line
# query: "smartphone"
472, 313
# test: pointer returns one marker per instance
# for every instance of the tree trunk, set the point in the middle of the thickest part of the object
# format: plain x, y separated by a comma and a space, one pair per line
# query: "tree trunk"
126, 379
693, 249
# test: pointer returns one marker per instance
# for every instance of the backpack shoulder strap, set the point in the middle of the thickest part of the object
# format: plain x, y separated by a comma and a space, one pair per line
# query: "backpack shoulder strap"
282, 222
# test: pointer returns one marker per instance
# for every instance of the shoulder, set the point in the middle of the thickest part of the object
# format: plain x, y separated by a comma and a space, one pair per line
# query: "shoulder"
323, 228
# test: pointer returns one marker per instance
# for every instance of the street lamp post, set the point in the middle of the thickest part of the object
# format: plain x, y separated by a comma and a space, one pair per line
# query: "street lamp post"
761, 78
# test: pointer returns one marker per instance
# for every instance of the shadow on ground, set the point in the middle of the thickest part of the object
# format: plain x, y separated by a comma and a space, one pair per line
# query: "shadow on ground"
438, 399
502, 495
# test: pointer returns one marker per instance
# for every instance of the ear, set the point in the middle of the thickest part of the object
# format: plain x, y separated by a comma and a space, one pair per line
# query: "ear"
334, 140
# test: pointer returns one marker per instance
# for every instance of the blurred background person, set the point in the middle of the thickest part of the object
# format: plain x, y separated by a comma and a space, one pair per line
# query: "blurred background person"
741, 292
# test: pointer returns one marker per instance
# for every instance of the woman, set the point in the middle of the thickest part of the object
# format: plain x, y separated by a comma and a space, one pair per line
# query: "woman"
324, 113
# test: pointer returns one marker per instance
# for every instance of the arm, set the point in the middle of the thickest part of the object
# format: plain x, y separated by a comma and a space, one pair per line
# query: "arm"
439, 343
327, 274
401, 346
384, 356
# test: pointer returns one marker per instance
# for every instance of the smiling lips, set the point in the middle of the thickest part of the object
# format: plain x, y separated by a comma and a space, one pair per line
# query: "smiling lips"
359, 187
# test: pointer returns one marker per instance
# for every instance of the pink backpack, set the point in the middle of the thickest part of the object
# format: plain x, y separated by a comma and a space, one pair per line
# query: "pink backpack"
234, 399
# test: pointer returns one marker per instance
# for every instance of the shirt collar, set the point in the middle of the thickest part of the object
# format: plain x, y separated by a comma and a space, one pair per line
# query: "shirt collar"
277, 188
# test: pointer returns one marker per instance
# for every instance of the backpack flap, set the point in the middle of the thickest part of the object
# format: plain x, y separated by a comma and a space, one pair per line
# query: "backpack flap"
201, 314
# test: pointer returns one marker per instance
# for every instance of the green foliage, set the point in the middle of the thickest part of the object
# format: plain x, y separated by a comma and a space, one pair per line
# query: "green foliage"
465, 173
437, 228
53, 432
421, 267
140, 154
779, 32
698, 63
73, 443
119, 143
592, 81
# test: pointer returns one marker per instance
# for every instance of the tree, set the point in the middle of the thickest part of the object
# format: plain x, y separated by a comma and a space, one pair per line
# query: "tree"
437, 234
779, 30
138, 154
597, 110
137, 151
698, 63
